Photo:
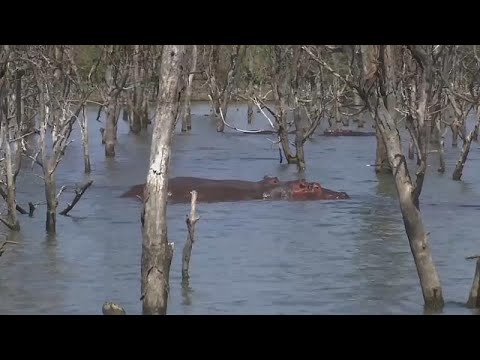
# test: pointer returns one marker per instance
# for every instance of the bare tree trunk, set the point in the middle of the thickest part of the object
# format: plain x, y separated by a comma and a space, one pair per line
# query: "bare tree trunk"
368, 62
250, 92
110, 130
157, 253
187, 111
418, 239
136, 98
381, 160
12, 219
11, 188
299, 140
441, 149
50, 195
86, 152
357, 101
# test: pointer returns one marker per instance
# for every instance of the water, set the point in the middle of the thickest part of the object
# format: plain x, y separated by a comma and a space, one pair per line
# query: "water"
324, 257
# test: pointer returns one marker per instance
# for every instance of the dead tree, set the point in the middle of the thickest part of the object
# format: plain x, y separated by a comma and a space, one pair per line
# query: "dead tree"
376, 87
187, 111
157, 252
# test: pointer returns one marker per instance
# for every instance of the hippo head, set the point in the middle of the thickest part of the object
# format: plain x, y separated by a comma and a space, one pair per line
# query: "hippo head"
270, 180
303, 190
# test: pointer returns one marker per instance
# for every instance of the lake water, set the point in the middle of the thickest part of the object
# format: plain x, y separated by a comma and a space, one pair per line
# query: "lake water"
257, 257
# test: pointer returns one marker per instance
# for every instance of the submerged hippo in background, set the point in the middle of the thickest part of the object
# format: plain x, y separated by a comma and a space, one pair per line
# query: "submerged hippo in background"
346, 132
211, 190
303, 190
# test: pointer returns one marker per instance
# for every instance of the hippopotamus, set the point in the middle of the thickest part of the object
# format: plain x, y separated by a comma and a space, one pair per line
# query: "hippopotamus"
216, 190
346, 132
303, 190
211, 190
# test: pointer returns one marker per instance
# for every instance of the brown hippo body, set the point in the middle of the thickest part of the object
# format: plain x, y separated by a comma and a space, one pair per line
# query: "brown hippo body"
211, 190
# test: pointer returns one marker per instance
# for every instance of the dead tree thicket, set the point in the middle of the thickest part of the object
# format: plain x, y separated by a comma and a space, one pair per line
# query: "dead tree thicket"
17, 128
157, 252
222, 83
138, 94
376, 85
59, 110
308, 99
462, 89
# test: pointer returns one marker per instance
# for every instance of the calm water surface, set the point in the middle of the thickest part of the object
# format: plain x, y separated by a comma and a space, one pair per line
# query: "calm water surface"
339, 257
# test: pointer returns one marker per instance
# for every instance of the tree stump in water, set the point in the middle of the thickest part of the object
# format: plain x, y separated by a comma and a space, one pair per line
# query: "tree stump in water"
112, 309
474, 299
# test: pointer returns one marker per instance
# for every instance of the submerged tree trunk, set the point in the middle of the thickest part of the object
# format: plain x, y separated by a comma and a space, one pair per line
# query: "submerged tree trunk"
50, 195
157, 253
110, 133
458, 172
250, 92
474, 298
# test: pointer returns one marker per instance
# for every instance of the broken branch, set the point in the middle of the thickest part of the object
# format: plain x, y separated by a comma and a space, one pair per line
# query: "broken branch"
78, 195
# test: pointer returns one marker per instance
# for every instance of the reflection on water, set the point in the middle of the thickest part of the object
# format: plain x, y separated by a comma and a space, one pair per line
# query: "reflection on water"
258, 257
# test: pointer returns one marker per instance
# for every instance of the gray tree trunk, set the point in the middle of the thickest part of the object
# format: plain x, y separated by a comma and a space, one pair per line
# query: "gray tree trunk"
157, 253
187, 111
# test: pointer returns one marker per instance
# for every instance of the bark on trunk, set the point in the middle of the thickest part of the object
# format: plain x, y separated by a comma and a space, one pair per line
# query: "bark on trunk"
157, 253
187, 111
